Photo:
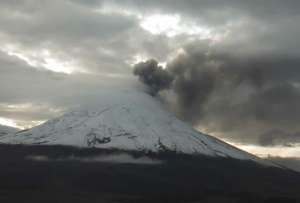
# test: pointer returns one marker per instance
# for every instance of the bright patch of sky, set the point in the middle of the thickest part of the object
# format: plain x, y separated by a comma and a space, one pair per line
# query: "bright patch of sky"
281, 151
267, 151
20, 124
173, 25
139, 58
136, 59
9, 122
42, 59
25, 109
170, 25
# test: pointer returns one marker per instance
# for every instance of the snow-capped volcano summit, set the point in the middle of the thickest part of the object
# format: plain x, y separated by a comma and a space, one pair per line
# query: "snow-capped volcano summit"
128, 120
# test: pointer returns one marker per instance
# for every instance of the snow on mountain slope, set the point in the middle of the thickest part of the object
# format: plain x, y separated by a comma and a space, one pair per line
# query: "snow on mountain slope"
127, 120
5, 130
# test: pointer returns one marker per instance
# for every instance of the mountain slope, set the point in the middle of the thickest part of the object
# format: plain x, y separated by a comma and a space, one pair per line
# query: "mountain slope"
127, 120
5, 130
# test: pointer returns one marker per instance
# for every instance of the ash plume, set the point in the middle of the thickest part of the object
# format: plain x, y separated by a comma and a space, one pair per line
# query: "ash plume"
240, 96
153, 75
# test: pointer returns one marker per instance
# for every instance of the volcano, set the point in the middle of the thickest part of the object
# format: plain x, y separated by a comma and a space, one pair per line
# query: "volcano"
127, 147
128, 120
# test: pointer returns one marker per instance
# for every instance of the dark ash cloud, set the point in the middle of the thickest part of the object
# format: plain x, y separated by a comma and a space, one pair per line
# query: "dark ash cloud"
247, 98
194, 82
153, 75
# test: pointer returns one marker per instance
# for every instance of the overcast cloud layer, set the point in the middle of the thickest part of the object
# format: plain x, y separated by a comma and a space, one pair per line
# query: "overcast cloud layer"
235, 63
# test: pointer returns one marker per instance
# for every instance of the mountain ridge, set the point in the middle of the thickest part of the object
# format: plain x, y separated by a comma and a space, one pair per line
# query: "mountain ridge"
4, 130
130, 121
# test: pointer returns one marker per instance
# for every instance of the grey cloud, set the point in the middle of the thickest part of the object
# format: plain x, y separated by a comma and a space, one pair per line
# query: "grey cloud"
69, 32
97, 42
279, 137
252, 25
72, 31
217, 12
49, 94
58, 20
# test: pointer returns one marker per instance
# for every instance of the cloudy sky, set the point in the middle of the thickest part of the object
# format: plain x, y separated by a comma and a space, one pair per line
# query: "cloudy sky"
234, 63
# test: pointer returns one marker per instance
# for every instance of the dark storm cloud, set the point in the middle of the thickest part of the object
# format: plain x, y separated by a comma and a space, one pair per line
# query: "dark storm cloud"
244, 97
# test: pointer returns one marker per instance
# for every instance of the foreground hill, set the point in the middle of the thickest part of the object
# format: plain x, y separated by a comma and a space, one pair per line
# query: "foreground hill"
67, 174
